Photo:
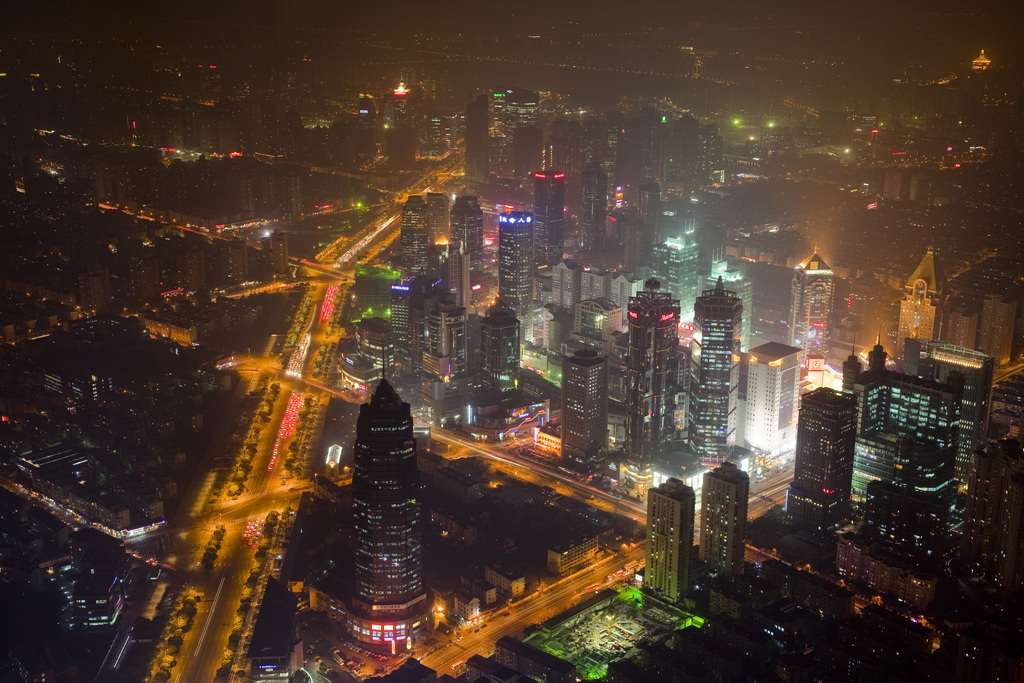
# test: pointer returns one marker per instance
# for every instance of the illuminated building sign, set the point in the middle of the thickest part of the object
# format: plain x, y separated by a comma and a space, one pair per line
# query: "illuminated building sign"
633, 314
505, 218
667, 316
559, 175
400, 288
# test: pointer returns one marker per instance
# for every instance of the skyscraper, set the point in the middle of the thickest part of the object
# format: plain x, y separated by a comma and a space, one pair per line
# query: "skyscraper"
389, 600
714, 373
676, 263
467, 230
670, 521
443, 380
723, 519
438, 216
515, 262
499, 349
923, 298
736, 280
413, 238
651, 380
993, 534
936, 360
810, 325
477, 139
584, 410
773, 391
819, 496
548, 217
593, 209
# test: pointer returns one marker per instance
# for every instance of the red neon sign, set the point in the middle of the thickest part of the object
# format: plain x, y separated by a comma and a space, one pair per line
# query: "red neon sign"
632, 314
667, 316
559, 175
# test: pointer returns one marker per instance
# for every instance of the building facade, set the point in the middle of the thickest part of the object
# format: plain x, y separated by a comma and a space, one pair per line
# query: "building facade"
810, 325
773, 394
515, 262
584, 410
670, 524
723, 519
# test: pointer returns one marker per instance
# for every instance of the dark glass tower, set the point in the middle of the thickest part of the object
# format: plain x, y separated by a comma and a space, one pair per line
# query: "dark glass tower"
389, 598
549, 217
652, 379
499, 349
593, 209
413, 236
515, 262
467, 228
477, 140
714, 373
819, 496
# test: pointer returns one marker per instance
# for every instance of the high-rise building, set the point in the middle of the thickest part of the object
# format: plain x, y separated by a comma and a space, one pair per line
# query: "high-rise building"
411, 300
995, 331
413, 238
773, 391
676, 263
467, 230
819, 496
477, 139
453, 267
515, 262
438, 216
723, 519
670, 523
651, 380
584, 410
735, 280
936, 360
443, 379
548, 217
389, 600
593, 209
892, 406
714, 374
500, 349
992, 544
649, 210
810, 325
923, 299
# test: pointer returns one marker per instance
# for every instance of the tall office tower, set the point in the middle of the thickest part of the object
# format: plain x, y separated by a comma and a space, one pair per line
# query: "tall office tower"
810, 325
651, 380
366, 128
649, 210
819, 496
936, 360
389, 600
593, 209
723, 519
676, 263
548, 217
714, 373
565, 150
467, 230
960, 326
852, 367
278, 252
709, 153
584, 410
478, 138
519, 110
737, 281
993, 533
594, 323
685, 135
456, 274
525, 151
892, 406
923, 298
995, 330
411, 300
444, 381
413, 238
515, 262
913, 513
565, 285
402, 114
671, 509
500, 349
438, 217
773, 392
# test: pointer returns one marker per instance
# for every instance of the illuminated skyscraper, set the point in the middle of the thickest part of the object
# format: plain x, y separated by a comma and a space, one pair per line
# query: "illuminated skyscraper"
737, 281
723, 519
819, 496
413, 239
714, 373
389, 600
810, 325
936, 360
467, 230
443, 381
651, 380
584, 410
923, 298
676, 263
773, 393
515, 263
670, 523
548, 217
499, 349
593, 209
438, 216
